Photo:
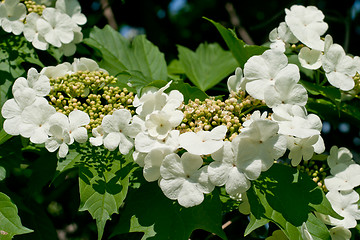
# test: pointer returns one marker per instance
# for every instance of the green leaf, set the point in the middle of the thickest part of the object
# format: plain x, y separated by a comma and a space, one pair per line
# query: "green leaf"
189, 92
148, 210
316, 228
330, 92
175, 70
10, 223
241, 51
207, 66
287, 197
103, 187
119, 54
4, 136
2, 173
255, 224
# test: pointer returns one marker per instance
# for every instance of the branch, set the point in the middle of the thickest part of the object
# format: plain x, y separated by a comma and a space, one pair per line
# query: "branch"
109, 14
235, 21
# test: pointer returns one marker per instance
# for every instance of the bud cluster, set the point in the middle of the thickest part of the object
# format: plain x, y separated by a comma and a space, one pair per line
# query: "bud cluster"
316, 172
31, 6
89, 92
207, 114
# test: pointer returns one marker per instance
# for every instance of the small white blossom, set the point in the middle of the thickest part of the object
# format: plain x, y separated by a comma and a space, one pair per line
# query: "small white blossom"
55, 27
304, 148
182, 180
120, 131
307, 24
339, 68
260, 141
153, 161
35, 123
339, 156
144, 143
305, 234
203, 142
340, 233
345, 177
231, 171
98, 136
31, 32
345, 204
12, 12
255, 116
281, 37
261, 72
310, 58
37, 81
73, 9
236, 82
160, 123
294, 121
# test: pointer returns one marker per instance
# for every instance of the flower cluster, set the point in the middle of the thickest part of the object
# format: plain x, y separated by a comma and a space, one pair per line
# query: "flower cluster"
306, 25
44, 26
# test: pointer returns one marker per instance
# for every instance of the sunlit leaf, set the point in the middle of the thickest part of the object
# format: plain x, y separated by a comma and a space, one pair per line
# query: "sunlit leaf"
207, 66
240, 50
119, 54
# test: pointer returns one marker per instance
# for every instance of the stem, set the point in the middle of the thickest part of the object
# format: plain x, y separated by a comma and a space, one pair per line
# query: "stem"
109, 14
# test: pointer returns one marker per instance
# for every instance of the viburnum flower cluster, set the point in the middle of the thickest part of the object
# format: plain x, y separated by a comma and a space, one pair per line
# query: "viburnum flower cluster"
306, 25
188, 148
45, 26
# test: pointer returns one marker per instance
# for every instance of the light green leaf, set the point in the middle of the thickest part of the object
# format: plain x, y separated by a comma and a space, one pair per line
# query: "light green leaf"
330, 92
119, 54
255, 224
241, 51
148, 210
175, 70
207, 66
103, 187
287, 197
10, 223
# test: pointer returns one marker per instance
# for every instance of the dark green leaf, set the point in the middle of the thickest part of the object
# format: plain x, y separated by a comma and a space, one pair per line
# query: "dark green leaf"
241, 51
286, 197
148, 210
330, 92
189, 92
207, 66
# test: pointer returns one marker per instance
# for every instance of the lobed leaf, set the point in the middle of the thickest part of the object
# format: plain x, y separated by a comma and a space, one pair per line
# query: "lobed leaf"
119, 54
207, 66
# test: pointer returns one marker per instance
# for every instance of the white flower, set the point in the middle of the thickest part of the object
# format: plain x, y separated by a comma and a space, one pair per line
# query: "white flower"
260, 141
307, 24
59, 70
85, 64
55, 27
120, 131
339, 156
304, 148
345, 177
345, 204
153, 161
12, 109
154, 99
310, 58
339, 68
182, 180
286, 91
31, 32
340, 233
35, 123
37, 81
236, 82
231, 171
98, 136
73, 9
12, 12
144, 143
281, 37
254, 116
305, 232
160, 123
139, 157
59, 135
261, 72
294, 121
203, 142
69, 49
